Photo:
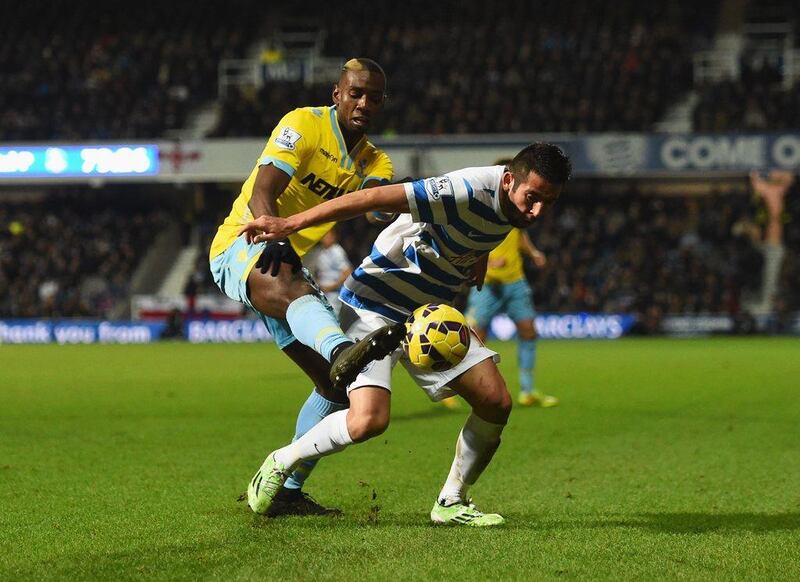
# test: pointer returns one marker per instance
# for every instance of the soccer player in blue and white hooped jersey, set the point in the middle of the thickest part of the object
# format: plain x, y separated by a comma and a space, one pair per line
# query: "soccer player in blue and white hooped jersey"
426, 256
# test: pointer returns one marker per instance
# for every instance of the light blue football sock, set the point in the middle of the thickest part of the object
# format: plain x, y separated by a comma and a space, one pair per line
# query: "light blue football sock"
526, 360
315, 408
315, 325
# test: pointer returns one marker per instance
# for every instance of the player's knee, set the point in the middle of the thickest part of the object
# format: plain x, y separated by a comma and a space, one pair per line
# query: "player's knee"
297, 286
526, 330
366, 426
502, 403
495, 403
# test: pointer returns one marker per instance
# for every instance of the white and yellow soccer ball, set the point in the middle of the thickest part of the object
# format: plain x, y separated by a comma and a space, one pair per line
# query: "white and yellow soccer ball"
437, 337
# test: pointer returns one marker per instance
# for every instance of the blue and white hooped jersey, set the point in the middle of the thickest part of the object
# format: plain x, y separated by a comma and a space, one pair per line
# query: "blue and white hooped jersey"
427, 256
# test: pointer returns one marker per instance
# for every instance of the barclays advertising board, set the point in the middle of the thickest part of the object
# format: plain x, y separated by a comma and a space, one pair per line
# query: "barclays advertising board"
33, 331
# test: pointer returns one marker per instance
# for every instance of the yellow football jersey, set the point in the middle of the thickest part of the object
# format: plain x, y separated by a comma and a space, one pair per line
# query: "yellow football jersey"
509, 251
308, 145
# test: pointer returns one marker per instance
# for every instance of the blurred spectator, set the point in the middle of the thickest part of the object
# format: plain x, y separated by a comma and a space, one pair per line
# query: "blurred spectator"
330, 267
174, 328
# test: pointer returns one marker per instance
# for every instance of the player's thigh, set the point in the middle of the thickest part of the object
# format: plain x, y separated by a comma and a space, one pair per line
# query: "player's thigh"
271, 295
484, 388
482, 306
316, 368
235, 274
369, 412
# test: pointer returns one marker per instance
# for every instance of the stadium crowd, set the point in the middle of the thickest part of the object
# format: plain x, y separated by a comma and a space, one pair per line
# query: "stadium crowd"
558, 67
125, 72
71, 255
78, 71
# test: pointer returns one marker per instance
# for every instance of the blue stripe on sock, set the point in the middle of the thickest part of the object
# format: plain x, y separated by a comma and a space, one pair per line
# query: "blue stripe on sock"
315, 408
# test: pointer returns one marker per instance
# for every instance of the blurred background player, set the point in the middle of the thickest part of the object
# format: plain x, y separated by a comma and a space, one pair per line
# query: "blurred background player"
330, 267
313, 154
506, 290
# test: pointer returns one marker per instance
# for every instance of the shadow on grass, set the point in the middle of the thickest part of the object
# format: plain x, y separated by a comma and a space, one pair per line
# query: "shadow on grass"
698, 523
668, 522
707, 522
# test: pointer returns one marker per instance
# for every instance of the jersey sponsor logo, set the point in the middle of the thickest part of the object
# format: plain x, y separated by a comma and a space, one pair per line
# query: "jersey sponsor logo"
287, 138
438, 187
322, 188
326, 154
467, 259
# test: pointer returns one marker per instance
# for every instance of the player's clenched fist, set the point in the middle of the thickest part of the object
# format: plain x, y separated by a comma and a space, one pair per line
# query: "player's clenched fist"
265, 228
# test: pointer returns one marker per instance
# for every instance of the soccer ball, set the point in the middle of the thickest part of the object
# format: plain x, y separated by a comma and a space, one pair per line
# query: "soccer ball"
437, 337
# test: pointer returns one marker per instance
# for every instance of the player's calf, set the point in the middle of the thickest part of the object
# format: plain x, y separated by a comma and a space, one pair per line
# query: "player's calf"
368, 415
362, 428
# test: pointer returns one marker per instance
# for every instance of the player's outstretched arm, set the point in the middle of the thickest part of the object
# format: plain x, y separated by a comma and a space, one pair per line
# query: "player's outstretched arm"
526, 245
391, 198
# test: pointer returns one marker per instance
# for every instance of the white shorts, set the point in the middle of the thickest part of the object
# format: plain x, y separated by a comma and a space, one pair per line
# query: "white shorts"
359, 322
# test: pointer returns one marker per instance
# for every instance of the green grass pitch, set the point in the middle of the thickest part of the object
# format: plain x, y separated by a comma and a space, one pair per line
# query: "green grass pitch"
666, 459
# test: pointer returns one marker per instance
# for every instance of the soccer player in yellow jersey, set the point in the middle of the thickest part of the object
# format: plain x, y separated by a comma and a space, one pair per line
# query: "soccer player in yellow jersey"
314, 154
505, 289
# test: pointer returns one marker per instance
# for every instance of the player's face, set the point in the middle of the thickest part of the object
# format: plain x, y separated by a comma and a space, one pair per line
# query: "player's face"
527, 200
359, 96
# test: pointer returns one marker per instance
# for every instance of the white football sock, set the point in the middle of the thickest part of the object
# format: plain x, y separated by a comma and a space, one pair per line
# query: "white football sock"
328, 436
475, 447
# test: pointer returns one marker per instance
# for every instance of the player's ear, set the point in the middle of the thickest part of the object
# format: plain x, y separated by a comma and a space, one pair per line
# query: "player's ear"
335, 94
507, 180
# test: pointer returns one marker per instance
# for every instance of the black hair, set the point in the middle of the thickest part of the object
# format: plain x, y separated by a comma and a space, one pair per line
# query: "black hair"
365, 64
546, 159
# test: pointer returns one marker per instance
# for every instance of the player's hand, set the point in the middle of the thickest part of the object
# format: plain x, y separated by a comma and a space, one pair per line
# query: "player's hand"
265, 228
479, 272
276, 252
539, 259
772, 190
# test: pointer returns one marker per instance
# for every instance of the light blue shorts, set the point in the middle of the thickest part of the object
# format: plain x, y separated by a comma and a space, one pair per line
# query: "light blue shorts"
230, 270
514, 299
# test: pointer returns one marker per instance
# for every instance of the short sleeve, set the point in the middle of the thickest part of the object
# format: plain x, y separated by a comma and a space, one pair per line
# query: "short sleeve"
436, 200
381, 170
293, 141
341, 260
